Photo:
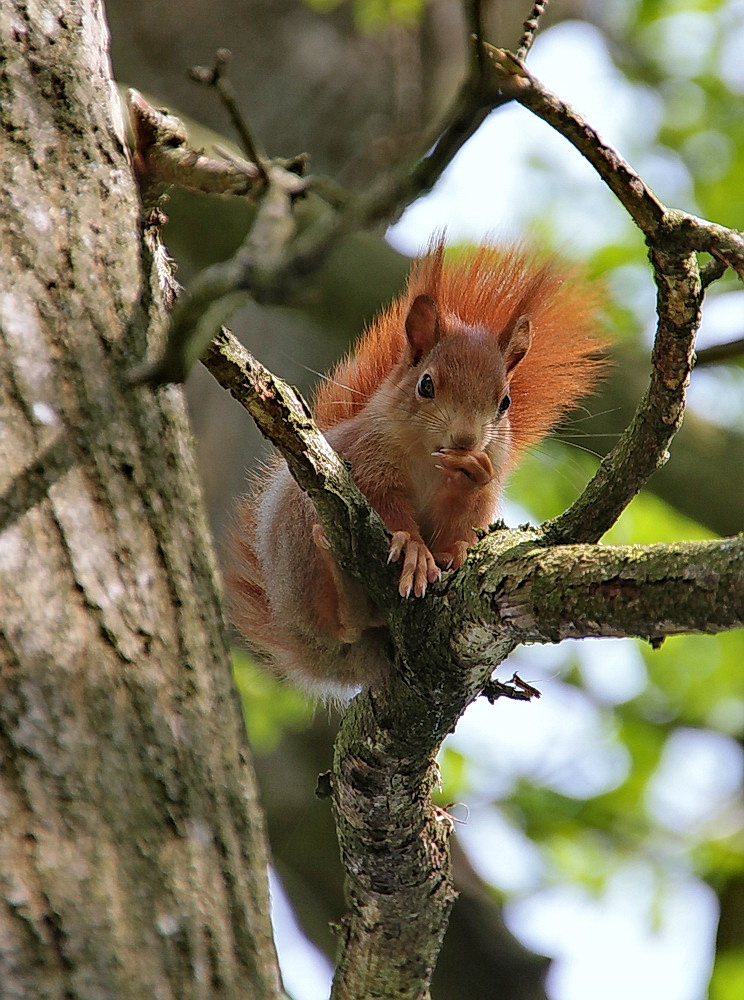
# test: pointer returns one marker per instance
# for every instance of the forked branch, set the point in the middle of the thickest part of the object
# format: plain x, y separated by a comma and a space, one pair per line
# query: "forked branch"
517, 585
673, 237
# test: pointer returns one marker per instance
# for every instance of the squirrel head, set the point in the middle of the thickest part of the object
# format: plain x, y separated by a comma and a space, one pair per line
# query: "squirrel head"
452, 385
530, 323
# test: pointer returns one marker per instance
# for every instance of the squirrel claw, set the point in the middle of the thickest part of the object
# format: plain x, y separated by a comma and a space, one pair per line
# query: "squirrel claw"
397, 545
320, 539
419, 567
453, 559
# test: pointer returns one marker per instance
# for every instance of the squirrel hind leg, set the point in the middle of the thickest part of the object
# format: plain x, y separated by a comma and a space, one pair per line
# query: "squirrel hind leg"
341, 607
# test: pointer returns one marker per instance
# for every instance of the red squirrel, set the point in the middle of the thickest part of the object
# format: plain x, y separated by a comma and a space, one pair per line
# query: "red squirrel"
476, 360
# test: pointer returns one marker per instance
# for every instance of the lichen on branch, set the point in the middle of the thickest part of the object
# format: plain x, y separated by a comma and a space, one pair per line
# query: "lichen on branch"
526, 585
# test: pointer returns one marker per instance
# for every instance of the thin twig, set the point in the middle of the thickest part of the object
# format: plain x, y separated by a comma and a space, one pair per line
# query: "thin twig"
634, 194
163, 155
216, 77
474, 18
530, 29
733, 350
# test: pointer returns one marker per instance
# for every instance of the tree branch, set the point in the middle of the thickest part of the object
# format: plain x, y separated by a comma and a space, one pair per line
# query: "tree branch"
357, 535
648, 591
215, 293
530, 28
514, 587
673, 238
631, 191
732, 350
162, 156
643, 446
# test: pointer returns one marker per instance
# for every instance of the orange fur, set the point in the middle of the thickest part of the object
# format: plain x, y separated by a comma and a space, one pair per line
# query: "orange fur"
489, 287
421, 412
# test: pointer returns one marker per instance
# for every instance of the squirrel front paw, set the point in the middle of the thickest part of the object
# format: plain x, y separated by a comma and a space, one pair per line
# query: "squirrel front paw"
419, 566
475, 466
454, 557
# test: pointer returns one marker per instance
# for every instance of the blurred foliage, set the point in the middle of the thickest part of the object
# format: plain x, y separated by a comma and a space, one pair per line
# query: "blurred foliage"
271, 708
375, 15
690, 54
727, 982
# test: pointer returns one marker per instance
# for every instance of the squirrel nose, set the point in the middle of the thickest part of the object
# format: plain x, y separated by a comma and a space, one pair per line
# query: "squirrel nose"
466, 441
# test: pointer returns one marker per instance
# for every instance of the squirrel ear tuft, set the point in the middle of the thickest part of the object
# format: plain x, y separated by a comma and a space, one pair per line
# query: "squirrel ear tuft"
516, 343
422, 326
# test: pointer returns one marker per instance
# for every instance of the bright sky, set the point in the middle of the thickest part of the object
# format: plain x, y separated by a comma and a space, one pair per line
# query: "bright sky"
634, 941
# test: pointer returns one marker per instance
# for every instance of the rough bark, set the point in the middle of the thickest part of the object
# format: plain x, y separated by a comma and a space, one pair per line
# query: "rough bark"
516, 586
479, 957
133, 858
646, 591
393, 840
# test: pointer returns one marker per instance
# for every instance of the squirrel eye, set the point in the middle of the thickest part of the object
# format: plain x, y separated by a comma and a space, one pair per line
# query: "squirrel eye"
425, 386
504, 404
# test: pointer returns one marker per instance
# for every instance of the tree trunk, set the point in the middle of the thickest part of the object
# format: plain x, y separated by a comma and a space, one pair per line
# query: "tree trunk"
132, 856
